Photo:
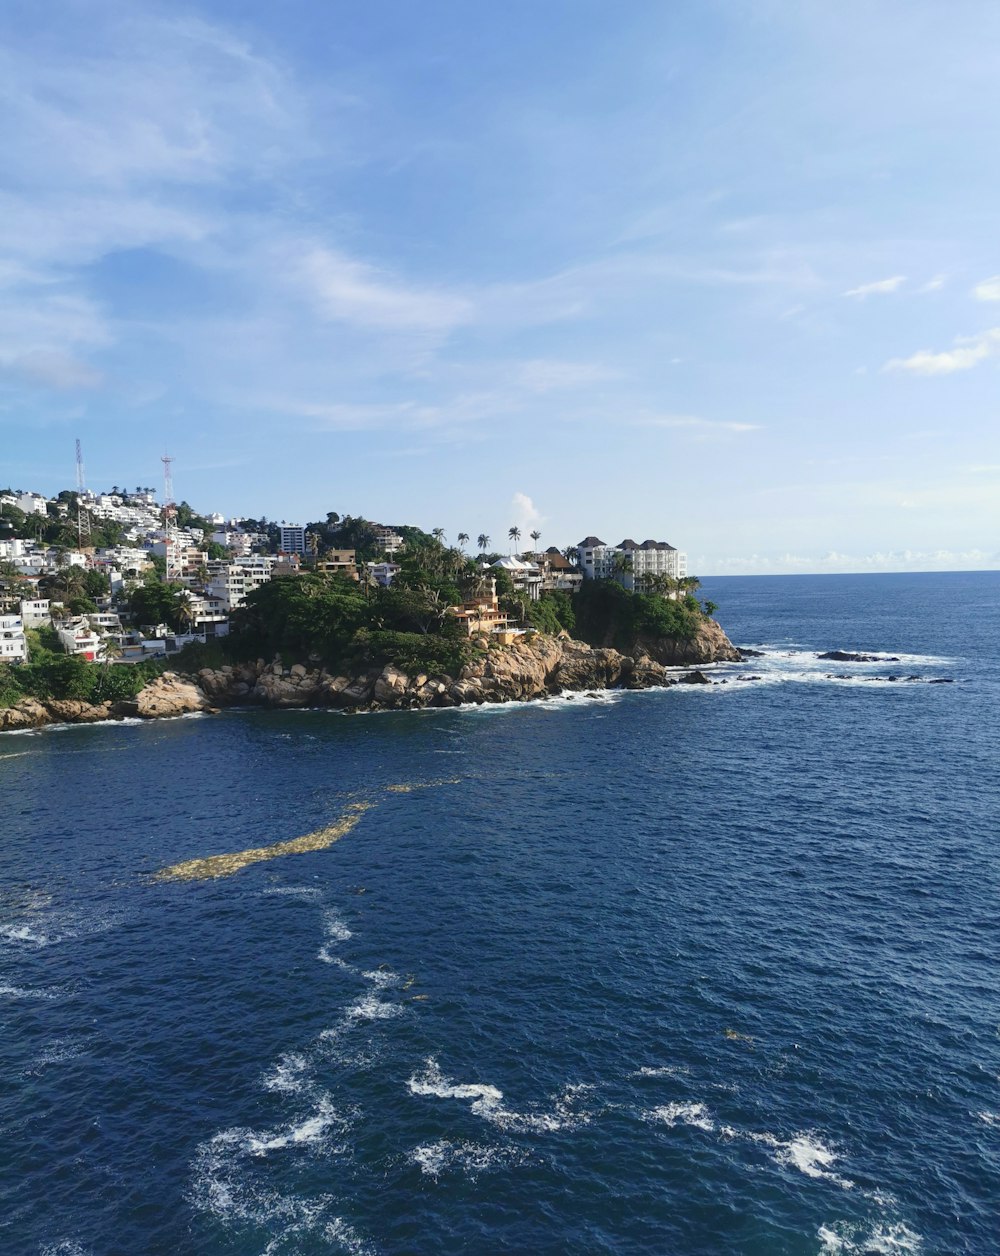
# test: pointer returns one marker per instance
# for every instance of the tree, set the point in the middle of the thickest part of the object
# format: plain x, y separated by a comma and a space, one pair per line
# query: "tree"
536, 537
463, 540
438, 535
710, 608
514, 533
483, 541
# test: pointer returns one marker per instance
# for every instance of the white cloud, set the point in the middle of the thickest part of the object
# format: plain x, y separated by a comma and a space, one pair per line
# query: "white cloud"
933, 285
526, 514
51, 369
694, 422
355, 292
987, 289
969, 351
877, 288
548, 375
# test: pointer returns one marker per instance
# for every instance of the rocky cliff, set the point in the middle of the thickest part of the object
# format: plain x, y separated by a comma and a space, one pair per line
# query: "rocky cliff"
528, 669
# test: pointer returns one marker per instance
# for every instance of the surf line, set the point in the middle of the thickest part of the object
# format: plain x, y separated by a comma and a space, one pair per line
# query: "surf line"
213, 866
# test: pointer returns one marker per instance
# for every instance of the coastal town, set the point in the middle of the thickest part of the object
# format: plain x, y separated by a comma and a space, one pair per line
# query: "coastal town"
120, 576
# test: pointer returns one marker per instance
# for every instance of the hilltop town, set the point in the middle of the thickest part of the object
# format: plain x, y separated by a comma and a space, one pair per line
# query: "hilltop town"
118, 577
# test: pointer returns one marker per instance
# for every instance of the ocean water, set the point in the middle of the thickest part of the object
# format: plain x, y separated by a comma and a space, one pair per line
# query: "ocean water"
699, 970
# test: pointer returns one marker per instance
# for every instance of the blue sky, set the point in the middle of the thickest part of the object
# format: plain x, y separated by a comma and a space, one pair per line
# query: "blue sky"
726, 274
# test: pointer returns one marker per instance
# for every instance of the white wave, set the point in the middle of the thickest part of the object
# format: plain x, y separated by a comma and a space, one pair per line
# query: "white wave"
382, 978
64, 1247
695, 1114
989, 1118
20, 992
293, 891
334, 927
487, 1102
804, 1152
844, 1239
370, 1007
310, 1132
324, 954
468, 1158
53, 927
289, 1076
57, 1052
662, 1070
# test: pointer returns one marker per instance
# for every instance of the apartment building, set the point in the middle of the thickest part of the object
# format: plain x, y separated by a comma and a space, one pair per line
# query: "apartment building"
13, 644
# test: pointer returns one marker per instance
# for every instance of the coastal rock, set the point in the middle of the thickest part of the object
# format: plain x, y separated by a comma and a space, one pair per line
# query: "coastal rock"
390, 686
694, 678
28, 713
709, 645
845, 656
167, 695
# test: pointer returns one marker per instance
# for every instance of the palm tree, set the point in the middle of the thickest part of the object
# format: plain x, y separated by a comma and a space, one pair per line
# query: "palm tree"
438, 535
536, 537
514, 533
483, 541
463, 538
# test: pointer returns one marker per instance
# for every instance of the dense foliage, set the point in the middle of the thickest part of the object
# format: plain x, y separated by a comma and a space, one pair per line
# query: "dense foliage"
608, 615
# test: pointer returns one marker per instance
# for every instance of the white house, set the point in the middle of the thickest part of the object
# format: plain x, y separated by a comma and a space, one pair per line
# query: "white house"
36, 612
77, 637
526, 577
13, 646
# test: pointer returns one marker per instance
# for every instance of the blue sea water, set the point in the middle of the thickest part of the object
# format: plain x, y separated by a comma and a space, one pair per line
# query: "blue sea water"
699, 970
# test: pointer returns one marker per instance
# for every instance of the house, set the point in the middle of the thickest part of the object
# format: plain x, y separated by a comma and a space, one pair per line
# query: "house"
388, 540
230, 582
77, 637
340, 563
482, 614
13, 644
526, 577
383, 573
558, 573
36, 612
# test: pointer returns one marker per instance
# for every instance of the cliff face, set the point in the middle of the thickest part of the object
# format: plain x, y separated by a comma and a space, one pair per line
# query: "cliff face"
525, 670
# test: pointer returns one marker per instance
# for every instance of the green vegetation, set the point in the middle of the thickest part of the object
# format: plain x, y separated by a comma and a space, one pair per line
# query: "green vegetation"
608, 615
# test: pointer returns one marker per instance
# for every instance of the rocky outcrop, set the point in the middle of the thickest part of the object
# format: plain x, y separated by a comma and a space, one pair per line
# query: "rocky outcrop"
845, 656
530, 668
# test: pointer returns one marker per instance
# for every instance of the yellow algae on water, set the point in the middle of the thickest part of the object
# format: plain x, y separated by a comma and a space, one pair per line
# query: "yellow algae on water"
225, 865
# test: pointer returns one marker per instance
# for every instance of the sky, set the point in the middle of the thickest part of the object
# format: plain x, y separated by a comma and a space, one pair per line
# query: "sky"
724, 273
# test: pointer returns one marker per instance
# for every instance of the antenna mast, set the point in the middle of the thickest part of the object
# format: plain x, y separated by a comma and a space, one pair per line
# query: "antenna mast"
171, 544
82, 519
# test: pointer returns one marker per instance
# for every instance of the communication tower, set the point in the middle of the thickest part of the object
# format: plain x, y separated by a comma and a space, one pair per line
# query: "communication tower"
82, 516
171, 542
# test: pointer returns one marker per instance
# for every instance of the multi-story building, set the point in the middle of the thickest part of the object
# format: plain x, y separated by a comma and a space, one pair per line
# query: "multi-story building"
77, 637
526, 577
482, 614
558, 573
230, 582
13, 644
629, 562
36, 612
292, 538
387, 539
339, 562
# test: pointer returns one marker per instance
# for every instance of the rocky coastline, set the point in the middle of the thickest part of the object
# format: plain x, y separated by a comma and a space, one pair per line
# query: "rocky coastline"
530, 669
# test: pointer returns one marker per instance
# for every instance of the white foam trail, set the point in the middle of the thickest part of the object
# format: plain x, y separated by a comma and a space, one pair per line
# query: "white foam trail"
662, 1070
289, 1076
19, 992
989, 1118
65, 1247
58, 926
842, 1239
293, 891
334, 927
804, 1152
487, 1102
309, 1132
324, 954
370, 1007
468, 1158
695, 1114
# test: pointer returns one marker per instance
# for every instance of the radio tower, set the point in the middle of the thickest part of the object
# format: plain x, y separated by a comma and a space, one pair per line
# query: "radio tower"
171, 544
82, 518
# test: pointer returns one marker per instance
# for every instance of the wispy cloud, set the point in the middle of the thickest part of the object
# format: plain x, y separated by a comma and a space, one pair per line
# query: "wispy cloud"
355, 292
544, 375
879, 287
987, 289
525, 513
693, 422
969, 351
934, 285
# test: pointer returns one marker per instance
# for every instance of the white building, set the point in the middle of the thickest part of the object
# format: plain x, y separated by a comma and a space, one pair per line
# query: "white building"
13, 645
388, 541
36, 612
77, 637
32, 503
526, 577
231, 582
630, 562
383, 573
292, 538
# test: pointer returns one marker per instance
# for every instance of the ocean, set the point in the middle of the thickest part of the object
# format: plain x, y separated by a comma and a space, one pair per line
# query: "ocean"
710, 969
